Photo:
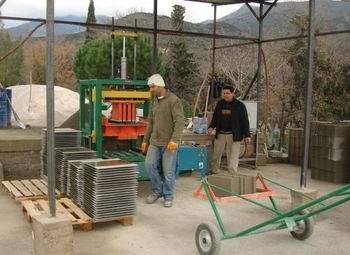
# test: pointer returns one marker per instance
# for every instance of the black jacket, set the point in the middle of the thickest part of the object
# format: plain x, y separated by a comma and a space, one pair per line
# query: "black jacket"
240, 122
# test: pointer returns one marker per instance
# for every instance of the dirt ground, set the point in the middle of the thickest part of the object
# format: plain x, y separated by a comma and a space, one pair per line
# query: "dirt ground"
171, 231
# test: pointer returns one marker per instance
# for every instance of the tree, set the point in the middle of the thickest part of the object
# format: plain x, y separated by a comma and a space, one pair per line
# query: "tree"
35, 63
330, 90
10, 67
177, 17
181, 72
93, 59
90, 33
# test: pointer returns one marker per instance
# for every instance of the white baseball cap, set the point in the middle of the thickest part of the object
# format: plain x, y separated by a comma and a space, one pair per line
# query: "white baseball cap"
156, 80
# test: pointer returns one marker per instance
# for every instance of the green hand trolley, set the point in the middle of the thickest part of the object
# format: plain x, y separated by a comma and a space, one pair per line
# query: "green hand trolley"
299, 221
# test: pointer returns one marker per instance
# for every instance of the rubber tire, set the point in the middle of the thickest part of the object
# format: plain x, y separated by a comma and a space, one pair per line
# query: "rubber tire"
208, 228
308, 227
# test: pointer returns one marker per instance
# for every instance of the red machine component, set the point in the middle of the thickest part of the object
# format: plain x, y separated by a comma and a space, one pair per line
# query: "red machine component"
123, 131
123, 124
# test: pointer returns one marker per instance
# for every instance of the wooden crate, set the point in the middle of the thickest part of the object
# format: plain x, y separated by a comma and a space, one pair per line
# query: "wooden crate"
66, 206
27, 189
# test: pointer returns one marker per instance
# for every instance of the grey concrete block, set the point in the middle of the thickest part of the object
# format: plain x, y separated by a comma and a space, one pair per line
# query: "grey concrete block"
1, 172
53, 235
330, 165
340, 176
330, 154
238, 183
298, 198
19, 145
275, 154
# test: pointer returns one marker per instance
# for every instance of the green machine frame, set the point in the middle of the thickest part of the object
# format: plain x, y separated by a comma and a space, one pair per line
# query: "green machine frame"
90, 122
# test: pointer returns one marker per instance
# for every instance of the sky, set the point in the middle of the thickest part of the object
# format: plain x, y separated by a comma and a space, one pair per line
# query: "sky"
195, 12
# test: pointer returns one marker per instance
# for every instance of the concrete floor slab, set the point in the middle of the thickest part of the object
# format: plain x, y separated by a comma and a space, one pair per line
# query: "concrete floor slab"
158, 230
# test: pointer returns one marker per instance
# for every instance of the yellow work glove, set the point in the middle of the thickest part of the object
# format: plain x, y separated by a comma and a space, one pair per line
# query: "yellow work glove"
172, 146
144, 148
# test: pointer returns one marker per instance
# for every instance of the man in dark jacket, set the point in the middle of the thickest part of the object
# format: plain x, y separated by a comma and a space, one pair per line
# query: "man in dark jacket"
230, 119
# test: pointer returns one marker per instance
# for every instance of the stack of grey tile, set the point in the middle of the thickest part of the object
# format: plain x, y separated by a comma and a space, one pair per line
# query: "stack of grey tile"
110, 189
330, 152
64, 137
75, 179
62, 157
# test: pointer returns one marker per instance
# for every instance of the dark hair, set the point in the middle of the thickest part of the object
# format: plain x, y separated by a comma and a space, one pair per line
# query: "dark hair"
231, 89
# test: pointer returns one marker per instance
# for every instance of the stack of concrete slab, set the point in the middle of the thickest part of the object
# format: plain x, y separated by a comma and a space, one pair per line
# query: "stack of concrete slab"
110, 189
330, 152
61, 167
238, 183
295, 145
64, 137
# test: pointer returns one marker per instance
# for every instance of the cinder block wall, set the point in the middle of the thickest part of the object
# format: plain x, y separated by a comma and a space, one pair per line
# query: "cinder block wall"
20, 158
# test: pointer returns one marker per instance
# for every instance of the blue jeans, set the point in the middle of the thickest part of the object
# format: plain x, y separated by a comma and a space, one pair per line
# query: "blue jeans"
160, 165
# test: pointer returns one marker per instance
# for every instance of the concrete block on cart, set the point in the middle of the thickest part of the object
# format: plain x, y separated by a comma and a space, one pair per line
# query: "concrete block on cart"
298, 197
230, 183
238, 183
53, 235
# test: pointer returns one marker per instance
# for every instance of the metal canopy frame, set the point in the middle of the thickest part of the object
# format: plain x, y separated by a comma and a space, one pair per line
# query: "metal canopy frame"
311, 38
50, 74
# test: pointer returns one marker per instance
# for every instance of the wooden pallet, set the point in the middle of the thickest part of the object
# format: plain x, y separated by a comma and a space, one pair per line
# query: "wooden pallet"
27, 189
66, 206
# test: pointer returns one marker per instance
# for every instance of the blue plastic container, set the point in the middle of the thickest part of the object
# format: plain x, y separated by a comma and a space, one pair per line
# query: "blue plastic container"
9, 110
3, 108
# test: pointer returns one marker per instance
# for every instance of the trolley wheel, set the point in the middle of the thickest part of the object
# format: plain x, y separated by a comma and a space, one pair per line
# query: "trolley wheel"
305, 227
208, 239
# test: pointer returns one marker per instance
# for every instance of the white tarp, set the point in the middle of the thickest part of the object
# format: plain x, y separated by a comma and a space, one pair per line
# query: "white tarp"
32, 110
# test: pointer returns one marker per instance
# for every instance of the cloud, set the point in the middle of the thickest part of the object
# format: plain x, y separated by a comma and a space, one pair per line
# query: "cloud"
195, 12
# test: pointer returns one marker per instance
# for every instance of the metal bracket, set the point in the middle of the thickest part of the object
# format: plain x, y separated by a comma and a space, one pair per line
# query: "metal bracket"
291, 224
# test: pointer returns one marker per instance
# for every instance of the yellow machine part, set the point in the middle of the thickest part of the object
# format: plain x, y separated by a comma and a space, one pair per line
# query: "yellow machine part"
108, 93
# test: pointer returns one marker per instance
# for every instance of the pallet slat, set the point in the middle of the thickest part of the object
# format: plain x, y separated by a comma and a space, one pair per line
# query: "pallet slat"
34, 190
82, 215
21, 188
66, 206
40, 185
12, 189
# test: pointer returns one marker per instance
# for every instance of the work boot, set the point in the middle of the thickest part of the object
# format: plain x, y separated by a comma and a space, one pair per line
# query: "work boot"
168, 203
152, 198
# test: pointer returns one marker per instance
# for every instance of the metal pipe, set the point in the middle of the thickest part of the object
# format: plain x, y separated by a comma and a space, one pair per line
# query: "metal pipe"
154, 56
283, 39
261, 10
132, 28
135, 51
112, 47
308, 102
259, 115
213, 63
123, 62
50, 105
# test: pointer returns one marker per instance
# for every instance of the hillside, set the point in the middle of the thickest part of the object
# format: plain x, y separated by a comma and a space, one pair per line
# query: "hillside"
330, 15
143, 20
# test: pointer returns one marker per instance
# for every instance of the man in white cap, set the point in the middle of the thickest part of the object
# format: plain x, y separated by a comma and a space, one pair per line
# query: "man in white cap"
165, 124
